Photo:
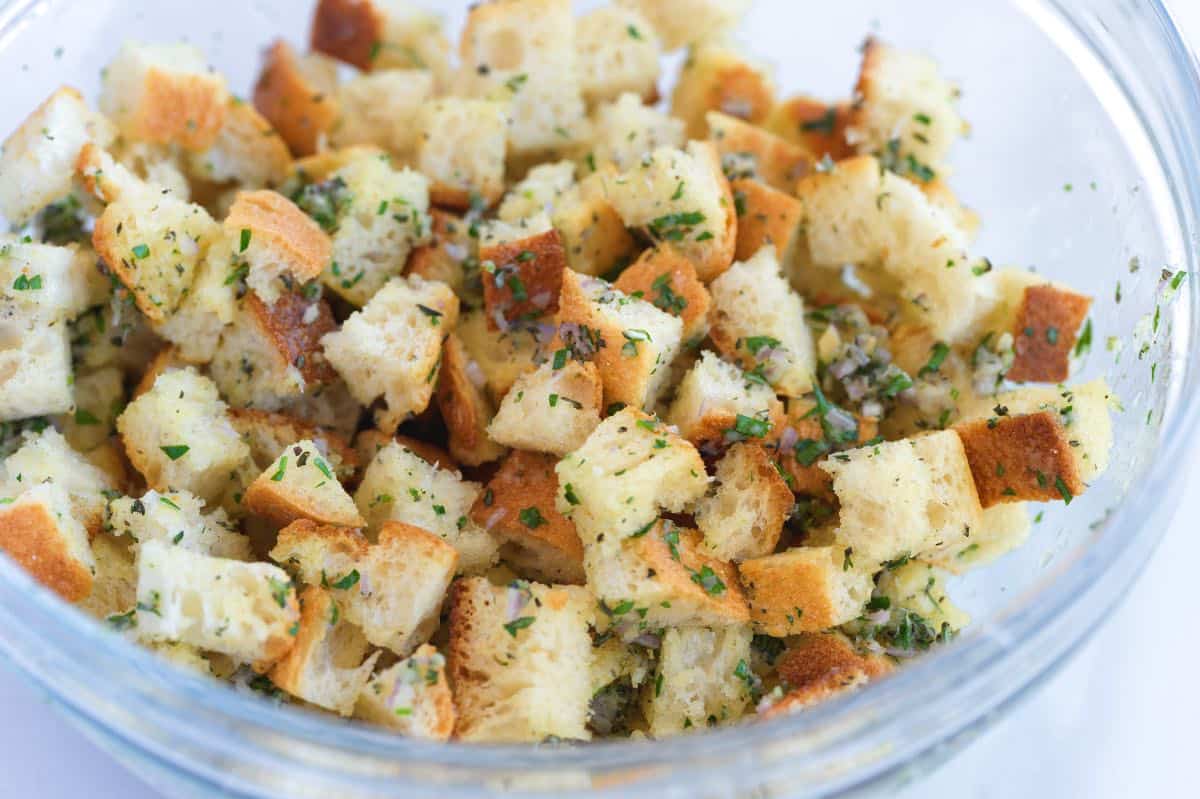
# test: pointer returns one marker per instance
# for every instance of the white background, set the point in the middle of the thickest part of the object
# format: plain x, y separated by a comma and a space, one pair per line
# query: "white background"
1118, 721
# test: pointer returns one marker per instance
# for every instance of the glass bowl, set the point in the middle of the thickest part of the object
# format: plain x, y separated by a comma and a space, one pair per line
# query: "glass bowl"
1083, 158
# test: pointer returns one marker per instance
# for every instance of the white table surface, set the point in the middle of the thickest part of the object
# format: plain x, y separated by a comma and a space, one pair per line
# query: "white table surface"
1118, 721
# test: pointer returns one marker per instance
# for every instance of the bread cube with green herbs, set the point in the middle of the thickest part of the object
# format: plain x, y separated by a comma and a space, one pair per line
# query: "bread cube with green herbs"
300, 484
40, 533
177, 518
617, 51
46, 457
411, 698
568, 402
703, 678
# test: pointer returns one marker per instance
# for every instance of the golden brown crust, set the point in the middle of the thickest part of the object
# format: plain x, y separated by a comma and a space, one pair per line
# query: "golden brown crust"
779, 163
719, 256
340, 540
106, 241
276, 223
29, 534
89, 169
683, 574
527, 278
1044, 333
301, 112
435, 260
295, 339
733, 88
464, 408
664, 277
348, 30
819, 666
460, 199
765, 216
314, 619
788, 593
443, 700
281, 506
1021, 458
182, 109
816, 126
775, 498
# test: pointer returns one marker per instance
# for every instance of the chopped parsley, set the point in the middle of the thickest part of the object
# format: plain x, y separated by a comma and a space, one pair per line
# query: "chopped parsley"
280, 590
532, 518
175, 451
518, 624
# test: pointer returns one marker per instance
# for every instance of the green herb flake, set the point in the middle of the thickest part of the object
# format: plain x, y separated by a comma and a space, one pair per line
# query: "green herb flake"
532, 518
175, 451
518, 624
245, 240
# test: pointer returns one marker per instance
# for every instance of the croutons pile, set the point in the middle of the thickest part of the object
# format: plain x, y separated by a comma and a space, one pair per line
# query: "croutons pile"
486, 398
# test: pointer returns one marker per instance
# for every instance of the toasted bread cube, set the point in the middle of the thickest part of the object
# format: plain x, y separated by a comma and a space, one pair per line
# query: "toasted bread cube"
767, 217
630, 468
381, 109
391, 348
35, 370
154, 245
99, 399
758, 320
567, 403
382, 35
665, 278
208, 309
177, 518
37, 162
411, 698
164, 94
114, 586
595, 238
625, 130
106, 179
301, 485
247, 151
460, 147
703, 679
519, 660
400, 486
919, 588
46, 283
178, 436
298, 96
1044, 333
39, 532
805, 589
502, 357
907, 497
464, 406
711, 397
1005, 527
539, 191
267, 433
617, 51
683, 22
47, 458
638, 342
518, 509
326, 666
749, 152
448, 255
523, 278
742, 516
1026, 457
392, 589
906, 108
819, 666
716, 77
817, 126
681, 197
245, 610
277, 241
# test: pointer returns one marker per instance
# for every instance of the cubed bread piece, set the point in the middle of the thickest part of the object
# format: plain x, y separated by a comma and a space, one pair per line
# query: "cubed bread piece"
326, 666
298, 96
164, 94
412, 698
45, 283
625, 130
301, 485
522, 279
905, 109
273, 352
497, 232
667, 279
450, 253
919, 588
817, 126
537, 192
1005, 527
207, 309
713, 395
40, 533
518, 509
382, 35
247, 151
1044, 333
392, 589
759, 321
381, 109
245, 610
681, 197
859, 213
593, 234
35, 370
518, 658
716, 77
804, 589
812, 432
114, 586
910, 497
47, 458
565, 402
400, 486
767, 217
106, 179
502, 357
267, 434
99, 399
37, 162
742, 515
460, 147
703, 679
631, 341
391, 348
1024, 457
279, 243
617, 51
683, 22
177, 518
819, 666
178, 435
465, 407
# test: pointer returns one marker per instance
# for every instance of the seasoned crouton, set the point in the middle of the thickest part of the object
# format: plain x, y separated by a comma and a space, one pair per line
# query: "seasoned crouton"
207, 309
46, 283
816, 126
523, 279
39, 532
518, 509
716, 77
411, 698
178, 436
37, 162
99, 399
464, 406
298, 96
758, 320
35, 370
391, 348
566, 401
805, 589
177, 518
818, 666
326, 666
626, 130
665, 278
277, 241
103, 177
448, 255
502, 357
247, 151
267, 433
47, 458
381, 35
683, 22
245, 610
381, 109
1044, 333
160, 167
1024, 457
1004, 528
460, 147
919, 588
164, 94
617, 51
703, 677
711, 398
593, 234
392, 589
767, 217
742, 515
301, 485
518, 658
114, 586
537, 192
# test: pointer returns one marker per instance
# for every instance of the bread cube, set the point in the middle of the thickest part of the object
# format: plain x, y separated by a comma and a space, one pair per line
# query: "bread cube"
819, 666
617, 51
713, 395
177, 518
44, 283
804, 589
464, 406
391, 348
538, 192
381, 108
683, 22
298, 96
742, 515
749, 152
106, 179
279, 243
164, 94
567, 403
99, 399
382, 35
207, 310
400, 486
717, 77
47, 458
247, 151
518, 658
1044, 333
301, 485
392, 589
267, 434
35, 370
626, 130
114, 585
451, 251
817, 126
703, 679
412, 698
667, 279
518, 509
502, 357
37, 162
40, 533
368, 443
461, 145
767, 217
522, 279
178, 435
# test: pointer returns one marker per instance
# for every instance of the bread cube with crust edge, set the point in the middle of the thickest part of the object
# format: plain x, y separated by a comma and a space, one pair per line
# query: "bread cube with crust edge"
301, 485
412, 698
804, 589
666, 279
39, 533
465, 407
522, 279
382, 35
1024, 457
713, 395
819, 666
279, 242
297, 95
703, 678
742, 516
568, 401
